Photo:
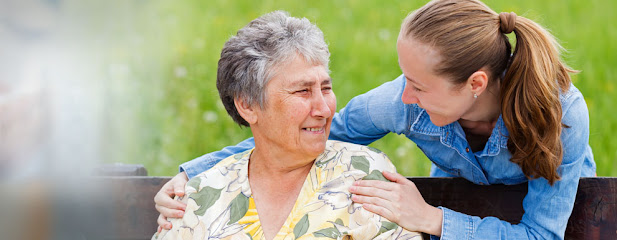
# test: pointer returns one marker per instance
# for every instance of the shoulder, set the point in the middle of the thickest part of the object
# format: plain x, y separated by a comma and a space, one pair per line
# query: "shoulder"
387, 107
572, 102
386, 97
221, 174
571, 94
356, 156
390, 88
575, 114
382, 107
575, 133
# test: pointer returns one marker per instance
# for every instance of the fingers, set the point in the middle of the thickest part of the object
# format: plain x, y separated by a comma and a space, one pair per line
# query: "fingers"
165, 200
395, 177
381, 211
178, 182
169, 212
372, 200
370, 191
178, 188
167, 206
380, 206
163, 223
175, 187
388, 186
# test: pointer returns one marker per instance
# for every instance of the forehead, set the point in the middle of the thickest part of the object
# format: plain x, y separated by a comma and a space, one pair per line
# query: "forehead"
418, 61
416, 53
299, 72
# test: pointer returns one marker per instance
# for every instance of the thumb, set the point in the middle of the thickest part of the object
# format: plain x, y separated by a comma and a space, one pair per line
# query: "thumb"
179, 188
179, 183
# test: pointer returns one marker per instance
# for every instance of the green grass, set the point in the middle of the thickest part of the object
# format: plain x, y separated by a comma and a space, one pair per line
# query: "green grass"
166, 108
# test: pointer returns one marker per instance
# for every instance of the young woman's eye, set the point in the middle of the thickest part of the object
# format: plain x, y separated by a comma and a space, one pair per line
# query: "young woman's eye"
417, 89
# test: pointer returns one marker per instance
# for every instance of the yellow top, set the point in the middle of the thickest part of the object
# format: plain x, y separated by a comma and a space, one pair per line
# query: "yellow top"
220, 203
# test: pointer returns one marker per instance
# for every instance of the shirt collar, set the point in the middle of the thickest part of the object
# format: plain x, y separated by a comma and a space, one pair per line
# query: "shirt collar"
498, 139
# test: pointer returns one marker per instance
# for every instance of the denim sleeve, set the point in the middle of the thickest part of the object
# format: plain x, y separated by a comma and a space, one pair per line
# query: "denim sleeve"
207, 161
372, 115
547, 208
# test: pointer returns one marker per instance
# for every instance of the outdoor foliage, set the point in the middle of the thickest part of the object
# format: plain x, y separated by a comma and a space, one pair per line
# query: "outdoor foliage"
162, 57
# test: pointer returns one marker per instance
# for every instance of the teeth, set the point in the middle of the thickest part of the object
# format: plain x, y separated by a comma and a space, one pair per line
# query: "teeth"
314, 129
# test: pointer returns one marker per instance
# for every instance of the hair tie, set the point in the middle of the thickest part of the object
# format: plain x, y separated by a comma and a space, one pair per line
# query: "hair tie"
507, 22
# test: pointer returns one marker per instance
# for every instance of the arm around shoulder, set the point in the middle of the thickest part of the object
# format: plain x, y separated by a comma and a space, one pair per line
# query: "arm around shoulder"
370, 116
207, 161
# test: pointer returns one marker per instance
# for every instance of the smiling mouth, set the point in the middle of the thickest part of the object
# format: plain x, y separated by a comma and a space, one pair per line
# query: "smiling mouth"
314, 129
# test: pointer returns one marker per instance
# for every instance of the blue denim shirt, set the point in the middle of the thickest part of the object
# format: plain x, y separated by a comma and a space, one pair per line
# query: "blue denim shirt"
372, 115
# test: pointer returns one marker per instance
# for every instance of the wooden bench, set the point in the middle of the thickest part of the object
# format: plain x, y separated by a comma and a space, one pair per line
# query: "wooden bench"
594, 215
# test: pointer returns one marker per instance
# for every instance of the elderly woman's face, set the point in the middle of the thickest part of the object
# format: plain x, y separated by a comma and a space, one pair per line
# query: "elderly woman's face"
299, 108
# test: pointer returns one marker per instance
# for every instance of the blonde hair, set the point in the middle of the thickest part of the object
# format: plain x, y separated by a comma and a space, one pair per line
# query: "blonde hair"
469, 36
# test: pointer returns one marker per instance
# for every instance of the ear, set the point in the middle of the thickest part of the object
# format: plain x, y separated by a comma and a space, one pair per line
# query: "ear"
478, 81
246, 111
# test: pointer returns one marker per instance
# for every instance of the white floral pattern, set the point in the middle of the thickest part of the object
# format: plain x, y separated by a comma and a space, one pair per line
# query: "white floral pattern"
220, 204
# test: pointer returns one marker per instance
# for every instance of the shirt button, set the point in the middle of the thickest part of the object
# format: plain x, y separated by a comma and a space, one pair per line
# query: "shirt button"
467, 149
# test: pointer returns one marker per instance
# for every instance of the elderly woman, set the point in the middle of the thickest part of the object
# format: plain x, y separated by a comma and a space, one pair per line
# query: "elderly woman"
273, 77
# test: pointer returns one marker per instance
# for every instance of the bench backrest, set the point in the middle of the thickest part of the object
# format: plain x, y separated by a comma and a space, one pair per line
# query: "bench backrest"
594, 215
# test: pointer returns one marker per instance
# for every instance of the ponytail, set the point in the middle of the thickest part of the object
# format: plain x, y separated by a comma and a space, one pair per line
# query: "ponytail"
530, 103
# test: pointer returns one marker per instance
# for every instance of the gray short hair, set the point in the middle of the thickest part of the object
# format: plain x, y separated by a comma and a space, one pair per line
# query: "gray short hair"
251, 57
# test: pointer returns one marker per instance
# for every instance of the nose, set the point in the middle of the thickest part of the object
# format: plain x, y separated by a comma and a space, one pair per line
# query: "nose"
321, 105
409, 95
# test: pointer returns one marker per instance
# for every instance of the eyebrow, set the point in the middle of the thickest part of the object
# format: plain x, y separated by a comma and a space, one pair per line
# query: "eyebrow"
310, 83
414, 82
411, 80
326, 81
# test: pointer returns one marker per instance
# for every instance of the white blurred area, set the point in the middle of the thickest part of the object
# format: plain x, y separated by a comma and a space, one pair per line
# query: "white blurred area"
50, 101
52, 121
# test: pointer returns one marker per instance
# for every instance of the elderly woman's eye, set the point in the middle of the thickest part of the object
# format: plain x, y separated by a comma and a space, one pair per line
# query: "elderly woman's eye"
302, 91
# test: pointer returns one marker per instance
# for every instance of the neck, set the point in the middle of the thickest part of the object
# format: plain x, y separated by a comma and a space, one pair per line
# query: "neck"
276, 181
484, 114
486, 108
267, 161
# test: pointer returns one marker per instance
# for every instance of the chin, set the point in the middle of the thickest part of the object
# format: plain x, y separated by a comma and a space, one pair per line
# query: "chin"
317, 149
440, 122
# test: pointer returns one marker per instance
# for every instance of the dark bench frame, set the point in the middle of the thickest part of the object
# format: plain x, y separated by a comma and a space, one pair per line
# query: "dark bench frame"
594, 215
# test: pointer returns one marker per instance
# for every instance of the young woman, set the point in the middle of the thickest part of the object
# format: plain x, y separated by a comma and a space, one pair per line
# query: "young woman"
479, 110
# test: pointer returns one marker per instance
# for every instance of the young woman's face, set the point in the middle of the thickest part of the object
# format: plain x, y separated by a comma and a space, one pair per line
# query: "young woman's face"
443, 101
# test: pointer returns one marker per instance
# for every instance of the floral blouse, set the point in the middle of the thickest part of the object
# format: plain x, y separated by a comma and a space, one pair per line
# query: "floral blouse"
220, 203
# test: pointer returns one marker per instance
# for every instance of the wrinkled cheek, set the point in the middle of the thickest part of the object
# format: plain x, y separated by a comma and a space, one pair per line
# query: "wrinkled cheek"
332, 104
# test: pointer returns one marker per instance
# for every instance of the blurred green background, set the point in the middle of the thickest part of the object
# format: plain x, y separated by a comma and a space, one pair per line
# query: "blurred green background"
159, 65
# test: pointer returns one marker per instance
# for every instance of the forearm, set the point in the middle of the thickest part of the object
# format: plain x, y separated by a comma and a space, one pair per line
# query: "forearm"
547, 209
462, 226
207, 161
